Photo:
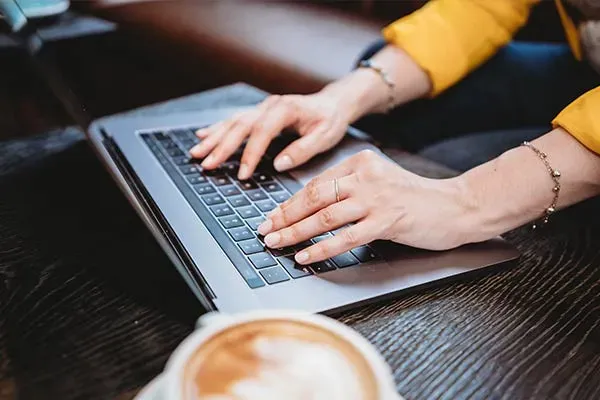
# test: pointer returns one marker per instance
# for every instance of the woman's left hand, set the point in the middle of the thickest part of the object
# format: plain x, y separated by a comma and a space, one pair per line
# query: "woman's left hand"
383, 200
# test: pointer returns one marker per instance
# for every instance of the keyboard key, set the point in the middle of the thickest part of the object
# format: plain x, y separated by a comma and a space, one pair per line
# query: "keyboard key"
262, 260
302, 245
255, 222
283, 251
344, 260
195, 178
294, 269
231, 221
280, 197
274, 275
168, 144
322, 237
204, 188
256, 195
189, 143
161, 136
175, 152
265, 205
212, 199
249, 275
238, 201
251, 246
222, 210
183, 160
231, 168
364, 254
229, 190
214, 172
189, 169
220, 180
241, 233
248, 185
323, 266
261, 178
248, 212
271, 187
180, 133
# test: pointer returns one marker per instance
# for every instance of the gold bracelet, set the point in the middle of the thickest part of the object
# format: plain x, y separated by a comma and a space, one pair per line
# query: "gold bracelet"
369, 64
555, 175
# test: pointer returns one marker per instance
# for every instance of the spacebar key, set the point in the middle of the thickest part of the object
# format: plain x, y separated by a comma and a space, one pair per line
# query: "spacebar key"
249, 275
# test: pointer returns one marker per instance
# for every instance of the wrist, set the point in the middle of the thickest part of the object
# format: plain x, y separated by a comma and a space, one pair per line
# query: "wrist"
471, 214
360, 93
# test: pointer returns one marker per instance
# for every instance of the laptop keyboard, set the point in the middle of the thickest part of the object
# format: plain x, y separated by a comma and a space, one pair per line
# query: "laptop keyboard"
232, 210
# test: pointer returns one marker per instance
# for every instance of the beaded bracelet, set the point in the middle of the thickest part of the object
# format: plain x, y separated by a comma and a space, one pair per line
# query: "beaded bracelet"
555, 175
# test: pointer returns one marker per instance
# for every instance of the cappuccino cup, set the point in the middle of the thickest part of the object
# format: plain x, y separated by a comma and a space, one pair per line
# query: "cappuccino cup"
270, 355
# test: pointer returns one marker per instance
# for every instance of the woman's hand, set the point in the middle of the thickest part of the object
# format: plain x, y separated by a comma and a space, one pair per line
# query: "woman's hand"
382, 199
319, 119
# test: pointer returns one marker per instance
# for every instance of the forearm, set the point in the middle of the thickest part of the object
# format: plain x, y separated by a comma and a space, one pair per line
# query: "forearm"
516, 187
363, 91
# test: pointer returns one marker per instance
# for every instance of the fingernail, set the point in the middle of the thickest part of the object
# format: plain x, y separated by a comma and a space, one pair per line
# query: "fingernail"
208, 161
244, 172
194, 150
282, 163
272, 239
265, 227
201, 133
301, 257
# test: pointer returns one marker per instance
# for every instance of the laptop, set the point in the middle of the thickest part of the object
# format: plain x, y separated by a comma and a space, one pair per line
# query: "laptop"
206, 223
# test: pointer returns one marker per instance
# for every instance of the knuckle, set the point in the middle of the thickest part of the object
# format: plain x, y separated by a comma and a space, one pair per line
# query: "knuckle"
272, 100
321, 249
292, 233
326, 218
313, 197
366, 155
283, 217
373, 169
349, 237
243, 123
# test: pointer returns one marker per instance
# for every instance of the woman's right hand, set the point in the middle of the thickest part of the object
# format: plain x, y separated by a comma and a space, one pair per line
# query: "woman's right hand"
318, 119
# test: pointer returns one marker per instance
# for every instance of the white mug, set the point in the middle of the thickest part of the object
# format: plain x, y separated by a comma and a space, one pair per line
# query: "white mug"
169, 385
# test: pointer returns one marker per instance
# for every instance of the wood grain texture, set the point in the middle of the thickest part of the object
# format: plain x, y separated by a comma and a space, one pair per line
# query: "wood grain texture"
90, 308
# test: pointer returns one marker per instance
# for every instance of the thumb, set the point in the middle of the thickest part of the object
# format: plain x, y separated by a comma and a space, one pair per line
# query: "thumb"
303, 149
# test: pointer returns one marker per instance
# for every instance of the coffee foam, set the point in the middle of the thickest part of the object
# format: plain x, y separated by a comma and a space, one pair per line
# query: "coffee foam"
278, 360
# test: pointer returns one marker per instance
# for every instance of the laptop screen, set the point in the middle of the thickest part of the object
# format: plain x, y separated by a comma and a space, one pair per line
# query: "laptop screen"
12, 14
16, 12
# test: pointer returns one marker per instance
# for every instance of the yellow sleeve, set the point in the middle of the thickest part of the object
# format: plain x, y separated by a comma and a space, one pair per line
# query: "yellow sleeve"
582, 119
450, 38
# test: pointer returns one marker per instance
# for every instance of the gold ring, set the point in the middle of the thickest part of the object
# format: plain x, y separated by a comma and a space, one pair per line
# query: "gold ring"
337, 190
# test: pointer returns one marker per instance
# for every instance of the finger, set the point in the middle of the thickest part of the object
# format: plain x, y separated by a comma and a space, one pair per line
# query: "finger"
312, 198
356, 235
279, 115
203, 132
302, 150
231, 141
345, 168
338, 171
203, 148
325, 220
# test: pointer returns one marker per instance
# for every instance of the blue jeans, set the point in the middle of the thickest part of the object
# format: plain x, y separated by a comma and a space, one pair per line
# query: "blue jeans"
511, 98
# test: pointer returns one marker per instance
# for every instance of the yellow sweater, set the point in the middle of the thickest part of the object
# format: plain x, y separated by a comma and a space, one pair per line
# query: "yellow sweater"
450, 38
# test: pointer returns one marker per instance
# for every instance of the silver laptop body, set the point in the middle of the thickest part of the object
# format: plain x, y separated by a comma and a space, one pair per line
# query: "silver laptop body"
203, 261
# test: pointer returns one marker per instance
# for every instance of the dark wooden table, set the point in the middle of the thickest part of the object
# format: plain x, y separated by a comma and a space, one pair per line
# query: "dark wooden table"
90, 308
